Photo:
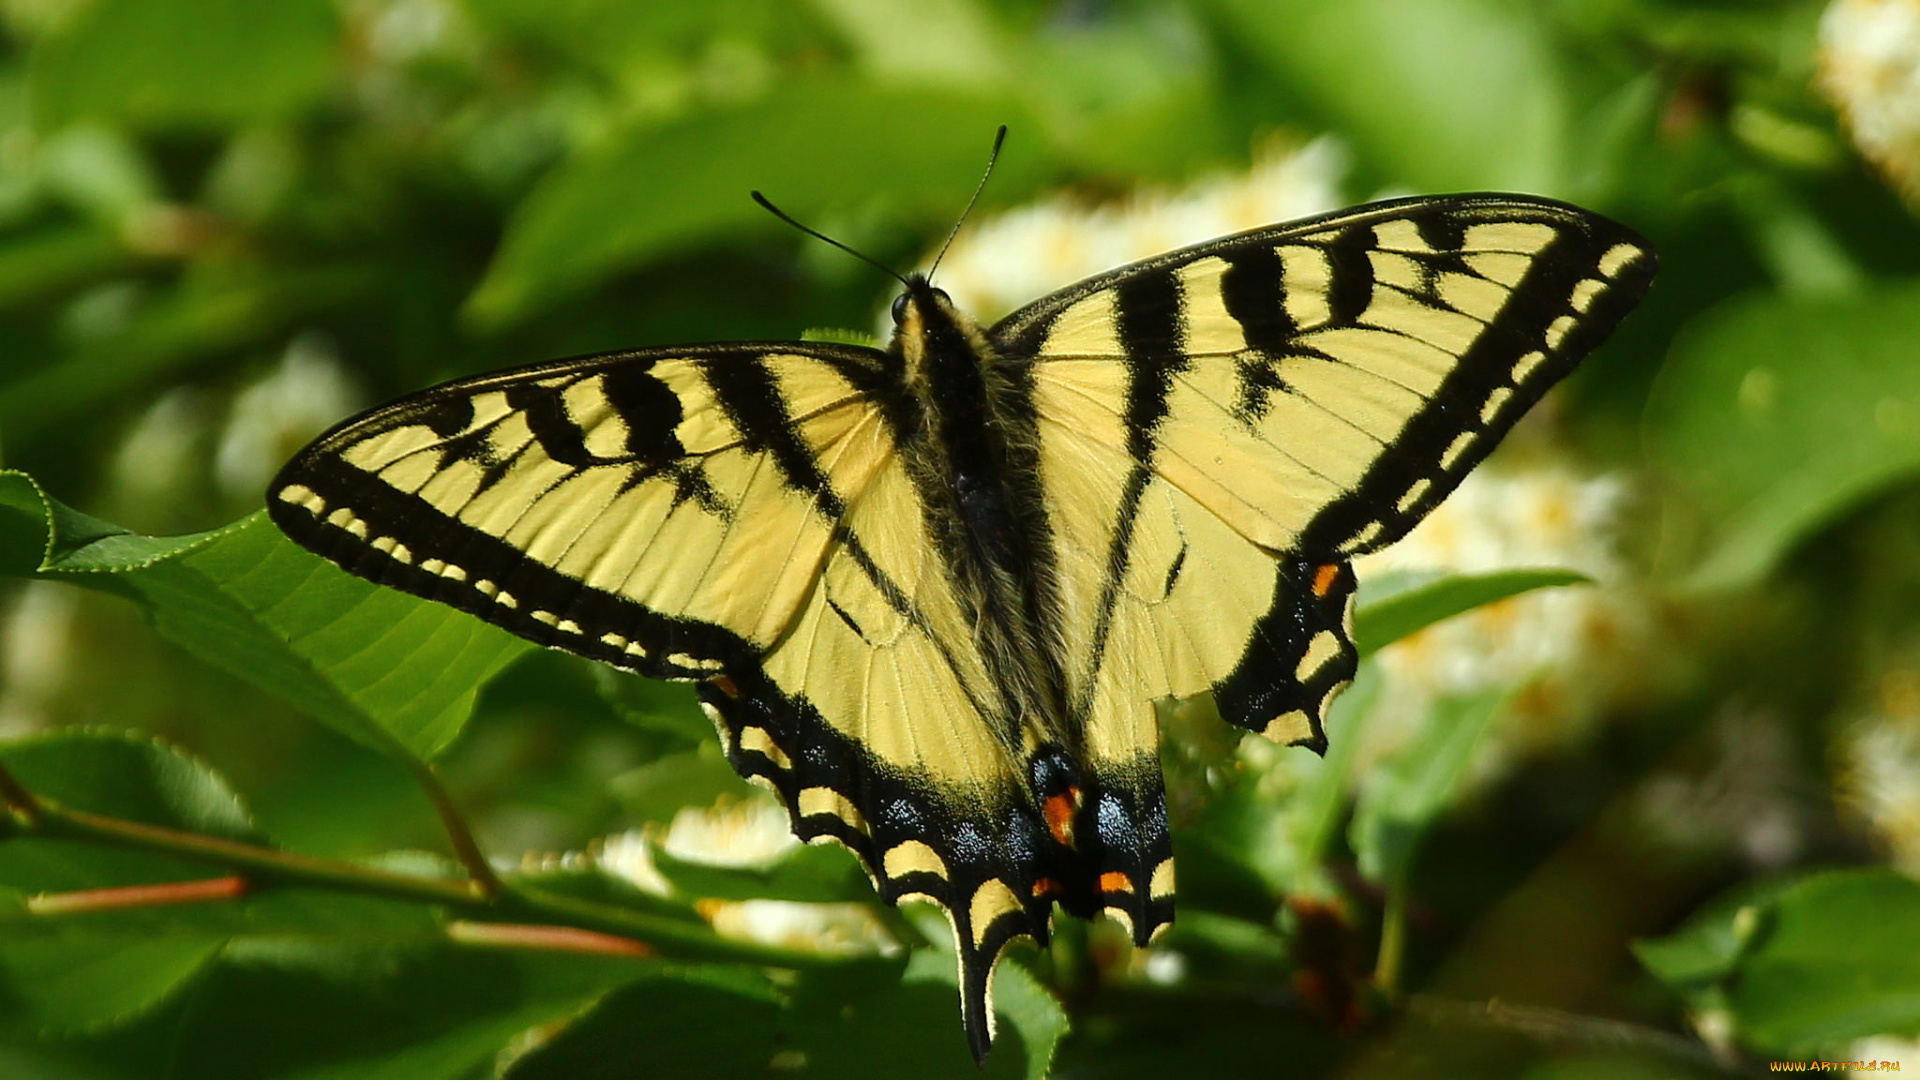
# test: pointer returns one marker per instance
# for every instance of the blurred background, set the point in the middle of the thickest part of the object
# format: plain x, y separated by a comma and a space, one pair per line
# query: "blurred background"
227, 224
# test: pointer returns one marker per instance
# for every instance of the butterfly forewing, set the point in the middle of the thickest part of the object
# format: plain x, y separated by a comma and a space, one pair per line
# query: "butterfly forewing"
1230, 423
733, 514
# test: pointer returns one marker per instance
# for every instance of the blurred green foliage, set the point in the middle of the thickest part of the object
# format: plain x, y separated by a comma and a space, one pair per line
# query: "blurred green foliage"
224, 224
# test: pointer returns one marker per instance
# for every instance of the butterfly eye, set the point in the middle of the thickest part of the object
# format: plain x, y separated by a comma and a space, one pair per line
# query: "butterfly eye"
900, 310
944, 298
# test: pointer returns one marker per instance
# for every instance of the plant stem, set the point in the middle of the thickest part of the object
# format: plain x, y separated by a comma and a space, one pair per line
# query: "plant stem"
1393, 938
18, 800
688, 940
465, 848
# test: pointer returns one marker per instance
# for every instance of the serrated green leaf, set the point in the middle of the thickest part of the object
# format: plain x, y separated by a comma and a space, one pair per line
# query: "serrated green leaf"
61, 976
812, 146
187, 62
119, 775
664, 708
1390, 611
397, 673
1775, 414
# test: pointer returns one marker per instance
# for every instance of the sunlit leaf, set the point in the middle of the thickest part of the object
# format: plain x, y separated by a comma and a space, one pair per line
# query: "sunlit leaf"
120, 775
1396, 609
394, 672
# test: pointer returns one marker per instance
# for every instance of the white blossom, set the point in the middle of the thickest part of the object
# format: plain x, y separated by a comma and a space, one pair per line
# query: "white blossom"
1870, 67
743, 833
1002, 262
1878, 760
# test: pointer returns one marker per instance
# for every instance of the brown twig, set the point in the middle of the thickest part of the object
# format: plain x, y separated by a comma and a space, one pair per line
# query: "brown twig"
265, 867
465, 848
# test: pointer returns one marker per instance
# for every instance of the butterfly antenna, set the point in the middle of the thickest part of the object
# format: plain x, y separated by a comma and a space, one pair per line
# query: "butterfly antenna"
992, 157
818, 235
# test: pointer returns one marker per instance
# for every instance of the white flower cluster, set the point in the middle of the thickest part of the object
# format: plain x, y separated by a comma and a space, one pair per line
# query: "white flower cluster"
1878, 761
743, 833
1572, 648
1013, 258
1870, 67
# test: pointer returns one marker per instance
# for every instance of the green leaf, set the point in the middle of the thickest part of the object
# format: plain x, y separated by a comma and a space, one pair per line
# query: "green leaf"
812, 146
187, 62
686, 1025
1809, 965
913, 1028
1391, 610
89, 971
807, 874
183, 327
1442, 95
123, 776
345, 1013
1776, 414
85, 980
664, 708
50, 262
397, 673
617, 36
1395, 810
656, 791
57, 976
1286, 840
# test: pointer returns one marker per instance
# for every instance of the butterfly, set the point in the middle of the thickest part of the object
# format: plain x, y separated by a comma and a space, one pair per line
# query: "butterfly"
930, 594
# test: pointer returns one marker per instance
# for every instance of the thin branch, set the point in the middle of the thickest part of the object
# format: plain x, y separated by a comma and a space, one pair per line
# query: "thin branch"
465, 848
549, 938
231, 887
1558, 1028
264, 866
18, 800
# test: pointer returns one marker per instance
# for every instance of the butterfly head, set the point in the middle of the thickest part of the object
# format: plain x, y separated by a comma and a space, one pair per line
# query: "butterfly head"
929, 332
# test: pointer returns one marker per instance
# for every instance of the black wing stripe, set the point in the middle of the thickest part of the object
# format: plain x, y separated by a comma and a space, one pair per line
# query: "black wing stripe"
1483, 372
487, 561
1251, 290
1147, 309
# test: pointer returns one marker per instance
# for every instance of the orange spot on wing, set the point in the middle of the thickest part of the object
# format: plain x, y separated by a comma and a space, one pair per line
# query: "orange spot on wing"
1324, 577
1115, 881
726, 686
1059, 810
1045, 886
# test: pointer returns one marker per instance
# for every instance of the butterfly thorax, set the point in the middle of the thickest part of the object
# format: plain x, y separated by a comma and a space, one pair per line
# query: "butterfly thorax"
974, 465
